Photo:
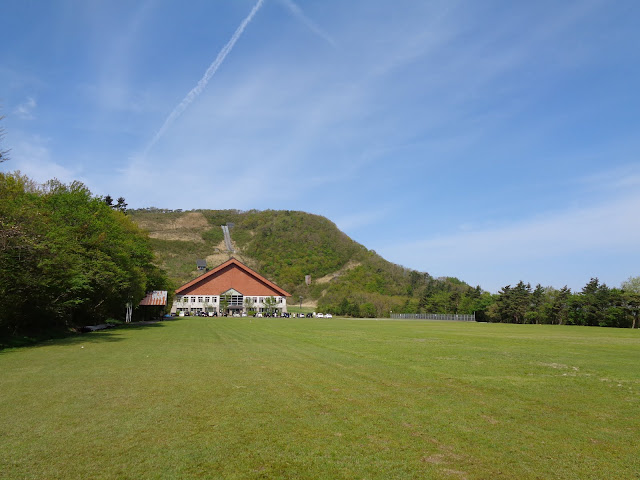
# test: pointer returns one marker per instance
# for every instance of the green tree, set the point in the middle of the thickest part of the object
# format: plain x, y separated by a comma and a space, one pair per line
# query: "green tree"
4, 154
269, 305
535, 313
631, 299
66, 258
224, 304
248, 305
121, 205
514, 303
561, 301
368, 310
591, 303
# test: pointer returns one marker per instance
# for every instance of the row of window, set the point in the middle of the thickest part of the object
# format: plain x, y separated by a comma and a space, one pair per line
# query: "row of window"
232, 299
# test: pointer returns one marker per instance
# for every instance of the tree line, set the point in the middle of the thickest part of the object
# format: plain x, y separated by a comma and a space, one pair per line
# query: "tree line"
595, 305
67, 257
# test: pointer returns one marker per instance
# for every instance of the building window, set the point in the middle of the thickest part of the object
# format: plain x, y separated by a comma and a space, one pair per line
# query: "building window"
206, 299
199, 299
255, 299
193, 299
214, 299
234, 300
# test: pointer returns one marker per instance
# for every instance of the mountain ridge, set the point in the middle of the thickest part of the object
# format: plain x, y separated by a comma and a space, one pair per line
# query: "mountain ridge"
285, 246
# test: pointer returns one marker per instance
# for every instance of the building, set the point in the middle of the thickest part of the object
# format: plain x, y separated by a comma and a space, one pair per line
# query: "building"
231, 287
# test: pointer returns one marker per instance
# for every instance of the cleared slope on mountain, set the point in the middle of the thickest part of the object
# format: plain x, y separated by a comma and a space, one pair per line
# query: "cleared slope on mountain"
285, 246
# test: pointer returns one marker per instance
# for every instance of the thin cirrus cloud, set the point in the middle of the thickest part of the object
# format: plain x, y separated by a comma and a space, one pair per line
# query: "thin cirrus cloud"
297, 12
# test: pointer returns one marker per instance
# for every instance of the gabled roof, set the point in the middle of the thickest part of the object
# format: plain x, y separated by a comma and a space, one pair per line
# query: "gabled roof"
232, 262
157, 297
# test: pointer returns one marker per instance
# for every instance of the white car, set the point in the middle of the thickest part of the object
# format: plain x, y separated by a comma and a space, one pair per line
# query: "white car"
328, 315
320, 315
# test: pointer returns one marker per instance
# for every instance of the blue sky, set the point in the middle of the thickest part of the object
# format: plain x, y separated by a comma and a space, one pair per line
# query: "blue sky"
493, 141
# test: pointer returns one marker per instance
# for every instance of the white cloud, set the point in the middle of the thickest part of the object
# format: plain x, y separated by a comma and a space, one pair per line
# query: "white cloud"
26, 108
32, 157
513, 250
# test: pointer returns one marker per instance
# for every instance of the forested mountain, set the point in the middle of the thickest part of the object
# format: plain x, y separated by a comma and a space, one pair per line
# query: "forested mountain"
348, 279
69, 258
285, 246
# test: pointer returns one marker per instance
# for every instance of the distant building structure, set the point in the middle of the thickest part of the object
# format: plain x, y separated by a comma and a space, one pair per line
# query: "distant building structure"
155, 298
201, 264
229, 288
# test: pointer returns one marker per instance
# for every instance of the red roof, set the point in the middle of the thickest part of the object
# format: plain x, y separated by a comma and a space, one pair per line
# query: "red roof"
157, 297
223, 277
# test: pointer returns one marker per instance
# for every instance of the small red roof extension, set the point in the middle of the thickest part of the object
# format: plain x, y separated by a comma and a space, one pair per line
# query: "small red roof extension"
232, 261
157, 297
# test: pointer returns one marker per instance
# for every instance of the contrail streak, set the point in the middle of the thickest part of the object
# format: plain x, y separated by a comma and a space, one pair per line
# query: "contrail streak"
299, 14
213, 68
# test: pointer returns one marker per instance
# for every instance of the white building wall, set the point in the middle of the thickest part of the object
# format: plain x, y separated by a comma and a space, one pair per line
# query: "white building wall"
202, 303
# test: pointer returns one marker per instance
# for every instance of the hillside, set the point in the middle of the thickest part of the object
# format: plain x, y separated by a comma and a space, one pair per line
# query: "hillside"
285, 246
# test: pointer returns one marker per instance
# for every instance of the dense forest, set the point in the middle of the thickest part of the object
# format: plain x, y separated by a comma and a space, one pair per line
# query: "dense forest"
67, 258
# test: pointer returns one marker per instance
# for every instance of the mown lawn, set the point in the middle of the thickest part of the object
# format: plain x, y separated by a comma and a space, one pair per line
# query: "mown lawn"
324, 399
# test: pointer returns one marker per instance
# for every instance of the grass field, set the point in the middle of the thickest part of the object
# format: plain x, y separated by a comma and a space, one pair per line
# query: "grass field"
324, 399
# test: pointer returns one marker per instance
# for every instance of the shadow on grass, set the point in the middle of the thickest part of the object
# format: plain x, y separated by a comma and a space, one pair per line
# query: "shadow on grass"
68, 337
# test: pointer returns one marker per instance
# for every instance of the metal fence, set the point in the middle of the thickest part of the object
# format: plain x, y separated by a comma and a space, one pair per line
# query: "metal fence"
435, 316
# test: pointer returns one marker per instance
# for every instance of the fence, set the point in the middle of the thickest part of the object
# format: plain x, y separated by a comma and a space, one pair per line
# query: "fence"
435, 316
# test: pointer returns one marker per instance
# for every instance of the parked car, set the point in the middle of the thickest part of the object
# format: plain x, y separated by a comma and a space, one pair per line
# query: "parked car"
328, 315
320, 315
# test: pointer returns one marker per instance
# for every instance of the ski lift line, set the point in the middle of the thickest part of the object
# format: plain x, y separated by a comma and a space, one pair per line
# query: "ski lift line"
227, 238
